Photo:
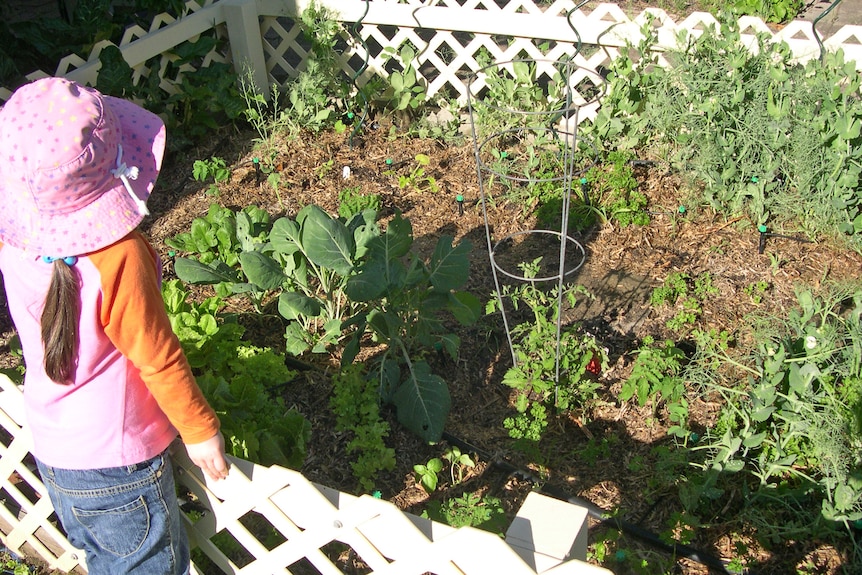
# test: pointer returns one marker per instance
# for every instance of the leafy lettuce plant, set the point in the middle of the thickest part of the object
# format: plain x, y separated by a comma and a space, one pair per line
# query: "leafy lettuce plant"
357, 409
238, 380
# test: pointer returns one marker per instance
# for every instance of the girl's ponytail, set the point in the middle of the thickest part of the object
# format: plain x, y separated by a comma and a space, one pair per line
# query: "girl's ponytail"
60, 322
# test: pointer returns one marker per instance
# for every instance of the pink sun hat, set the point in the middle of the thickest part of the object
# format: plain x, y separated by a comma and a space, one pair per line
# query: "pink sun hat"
76, 167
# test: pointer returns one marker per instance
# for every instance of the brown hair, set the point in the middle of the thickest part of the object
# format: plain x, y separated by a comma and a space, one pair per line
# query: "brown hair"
60, 323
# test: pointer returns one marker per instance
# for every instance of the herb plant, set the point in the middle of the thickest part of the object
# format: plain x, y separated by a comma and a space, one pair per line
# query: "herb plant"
426, 475
355, 402
417, 179
614, 188
352, 201
458, 462
656, 376
214, 169
469, 510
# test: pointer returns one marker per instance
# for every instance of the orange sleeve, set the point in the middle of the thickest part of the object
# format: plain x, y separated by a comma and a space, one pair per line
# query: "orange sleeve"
134, 318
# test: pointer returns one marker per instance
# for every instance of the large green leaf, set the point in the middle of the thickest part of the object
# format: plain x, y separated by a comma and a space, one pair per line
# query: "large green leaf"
465, 306
262, 270
450, 266
326, 241
364, 228
284, 236
368, 284
193, 272
251, 225
293, 305
423, 403
395, 242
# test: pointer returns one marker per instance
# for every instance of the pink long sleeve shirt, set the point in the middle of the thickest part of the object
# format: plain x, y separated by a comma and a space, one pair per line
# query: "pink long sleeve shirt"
133, 389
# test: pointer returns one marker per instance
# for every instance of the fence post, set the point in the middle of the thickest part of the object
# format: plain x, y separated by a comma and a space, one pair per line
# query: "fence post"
547, 532
246, 45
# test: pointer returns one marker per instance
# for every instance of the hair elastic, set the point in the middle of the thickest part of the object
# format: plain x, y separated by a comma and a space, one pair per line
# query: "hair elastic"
68, 260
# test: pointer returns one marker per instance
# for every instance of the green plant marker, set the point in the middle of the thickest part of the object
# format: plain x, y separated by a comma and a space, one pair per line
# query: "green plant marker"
349, 115
388, 161
460, 199
256, 162
754, 179
620, 555
681, 209
172, 253
584, 192
376, 494
761, 246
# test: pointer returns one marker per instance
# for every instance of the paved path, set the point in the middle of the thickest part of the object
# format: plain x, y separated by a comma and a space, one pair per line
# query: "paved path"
832, 16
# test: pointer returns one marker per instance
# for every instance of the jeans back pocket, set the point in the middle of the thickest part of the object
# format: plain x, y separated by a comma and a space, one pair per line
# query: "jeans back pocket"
119, 530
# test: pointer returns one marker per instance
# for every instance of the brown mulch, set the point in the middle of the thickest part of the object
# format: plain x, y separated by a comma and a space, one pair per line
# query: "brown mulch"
622, 267
604, 455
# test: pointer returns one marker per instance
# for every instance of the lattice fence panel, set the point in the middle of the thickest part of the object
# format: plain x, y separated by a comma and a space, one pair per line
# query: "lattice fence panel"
273, 520
27, 521
449, 36
461, 32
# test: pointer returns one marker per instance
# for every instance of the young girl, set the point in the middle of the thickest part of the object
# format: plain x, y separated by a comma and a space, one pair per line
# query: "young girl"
107, 386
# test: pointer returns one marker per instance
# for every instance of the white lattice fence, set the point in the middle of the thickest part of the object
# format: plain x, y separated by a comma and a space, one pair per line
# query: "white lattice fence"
448, 35
273, 520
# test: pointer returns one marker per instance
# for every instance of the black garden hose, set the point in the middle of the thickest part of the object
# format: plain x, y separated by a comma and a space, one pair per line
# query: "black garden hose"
604, 516
814, 26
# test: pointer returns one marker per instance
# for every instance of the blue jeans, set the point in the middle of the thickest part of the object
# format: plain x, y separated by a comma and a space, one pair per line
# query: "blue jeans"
126, 519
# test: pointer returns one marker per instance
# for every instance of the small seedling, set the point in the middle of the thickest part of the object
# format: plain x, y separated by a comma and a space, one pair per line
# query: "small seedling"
214, 169
458, 462
426, 475
756, 291
417, 178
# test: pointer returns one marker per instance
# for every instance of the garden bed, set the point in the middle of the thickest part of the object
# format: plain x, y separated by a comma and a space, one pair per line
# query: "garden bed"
611, 454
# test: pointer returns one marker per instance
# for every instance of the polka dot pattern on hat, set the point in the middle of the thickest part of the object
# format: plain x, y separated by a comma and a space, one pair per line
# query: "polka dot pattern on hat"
59, 143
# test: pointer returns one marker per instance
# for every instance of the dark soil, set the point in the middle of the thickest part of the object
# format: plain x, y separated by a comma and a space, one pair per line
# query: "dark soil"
605, 454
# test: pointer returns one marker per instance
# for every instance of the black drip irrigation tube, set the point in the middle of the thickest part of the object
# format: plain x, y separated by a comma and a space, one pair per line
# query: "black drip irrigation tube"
604, 516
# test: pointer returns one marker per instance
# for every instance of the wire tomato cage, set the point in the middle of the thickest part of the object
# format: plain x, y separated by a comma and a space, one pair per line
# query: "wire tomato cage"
524, 117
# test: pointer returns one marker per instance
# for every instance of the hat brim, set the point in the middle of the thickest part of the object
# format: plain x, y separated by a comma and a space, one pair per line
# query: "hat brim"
112, 215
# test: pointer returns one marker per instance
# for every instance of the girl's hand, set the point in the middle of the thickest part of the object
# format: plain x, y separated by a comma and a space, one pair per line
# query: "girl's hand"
209, 456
